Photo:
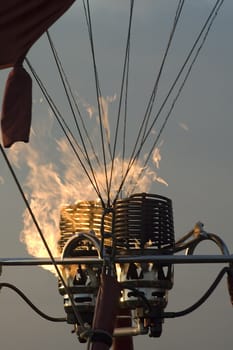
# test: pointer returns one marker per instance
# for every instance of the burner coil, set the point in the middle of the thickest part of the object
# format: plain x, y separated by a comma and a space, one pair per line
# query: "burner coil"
144, 221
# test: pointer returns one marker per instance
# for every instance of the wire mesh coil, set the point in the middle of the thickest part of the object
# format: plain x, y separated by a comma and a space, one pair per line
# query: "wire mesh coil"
85, 216
140, 222
144, 221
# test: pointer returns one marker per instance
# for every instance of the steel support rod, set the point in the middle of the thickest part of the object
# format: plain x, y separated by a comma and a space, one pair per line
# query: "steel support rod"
166, 259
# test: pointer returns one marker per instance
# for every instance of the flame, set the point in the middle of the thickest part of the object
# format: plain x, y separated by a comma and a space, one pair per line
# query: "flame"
184, 126
51, 184
157, 157
104, 103
90, 111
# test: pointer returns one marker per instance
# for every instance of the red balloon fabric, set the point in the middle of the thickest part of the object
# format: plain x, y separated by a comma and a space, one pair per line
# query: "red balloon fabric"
17, 107
22, 22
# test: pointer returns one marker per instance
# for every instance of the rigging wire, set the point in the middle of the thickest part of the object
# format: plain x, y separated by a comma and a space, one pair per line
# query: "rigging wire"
201, 301
125, 117
98, 95
124, 83
70, 95
156, 85
146, 118
62, 123
207, 26
26, 202
30, 303
209, 21
151, 103
178, 94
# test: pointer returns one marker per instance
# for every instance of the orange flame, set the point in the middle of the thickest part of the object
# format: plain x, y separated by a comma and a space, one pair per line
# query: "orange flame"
50, 187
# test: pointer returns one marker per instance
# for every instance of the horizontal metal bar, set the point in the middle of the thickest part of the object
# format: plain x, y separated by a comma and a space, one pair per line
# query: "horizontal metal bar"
47, 261
179, 259
171, 259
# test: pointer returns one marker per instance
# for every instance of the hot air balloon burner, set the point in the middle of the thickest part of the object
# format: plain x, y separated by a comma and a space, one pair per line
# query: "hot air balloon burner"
142, 225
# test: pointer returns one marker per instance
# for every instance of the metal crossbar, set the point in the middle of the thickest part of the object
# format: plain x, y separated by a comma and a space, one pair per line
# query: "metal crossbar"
173, 259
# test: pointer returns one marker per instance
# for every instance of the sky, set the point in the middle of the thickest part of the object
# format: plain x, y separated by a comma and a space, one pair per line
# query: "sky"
196, 159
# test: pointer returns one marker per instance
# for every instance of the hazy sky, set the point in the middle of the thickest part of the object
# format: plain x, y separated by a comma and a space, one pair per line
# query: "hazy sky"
196, 151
